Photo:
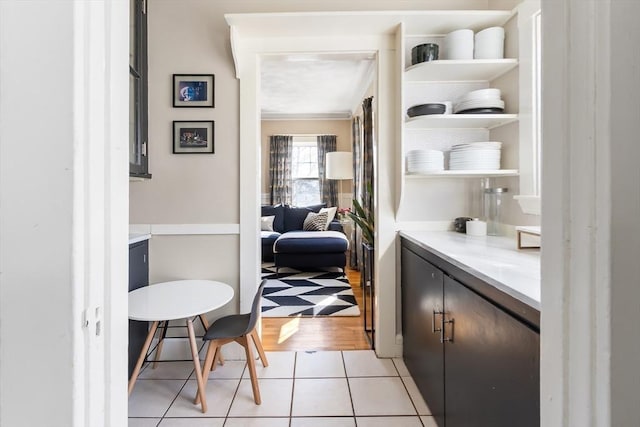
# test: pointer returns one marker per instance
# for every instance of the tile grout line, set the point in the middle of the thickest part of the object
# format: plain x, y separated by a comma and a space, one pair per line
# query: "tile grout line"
293, 385
346, 377
235, 393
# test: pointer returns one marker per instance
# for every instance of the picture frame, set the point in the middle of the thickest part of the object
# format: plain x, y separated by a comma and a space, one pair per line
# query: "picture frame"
193, 90
193, 137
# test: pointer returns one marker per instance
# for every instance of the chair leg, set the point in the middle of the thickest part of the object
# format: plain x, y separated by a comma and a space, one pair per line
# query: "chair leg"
258, 344
212, 349
252, 369
219, 358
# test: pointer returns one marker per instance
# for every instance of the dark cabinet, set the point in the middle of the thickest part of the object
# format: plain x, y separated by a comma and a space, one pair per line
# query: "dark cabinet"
474, 363
138, 277
422, 296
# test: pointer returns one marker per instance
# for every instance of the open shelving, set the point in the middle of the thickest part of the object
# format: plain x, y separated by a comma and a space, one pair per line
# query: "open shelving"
460, 121
459, 70
464, 174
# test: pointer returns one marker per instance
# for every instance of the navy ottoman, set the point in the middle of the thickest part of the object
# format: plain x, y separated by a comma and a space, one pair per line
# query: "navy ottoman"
299, 249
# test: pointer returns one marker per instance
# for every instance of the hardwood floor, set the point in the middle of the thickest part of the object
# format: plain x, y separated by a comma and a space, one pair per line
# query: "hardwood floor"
317, 333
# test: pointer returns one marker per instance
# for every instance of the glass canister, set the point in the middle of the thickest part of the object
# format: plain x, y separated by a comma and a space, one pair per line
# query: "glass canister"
492, 210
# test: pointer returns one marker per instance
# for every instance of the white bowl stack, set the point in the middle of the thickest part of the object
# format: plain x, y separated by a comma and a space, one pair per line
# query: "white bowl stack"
475, 156
489, 44
425, 161
458, 45
479, 99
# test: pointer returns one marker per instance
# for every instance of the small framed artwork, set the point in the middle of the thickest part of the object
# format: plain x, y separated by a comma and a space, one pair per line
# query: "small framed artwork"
193, 90
194, 137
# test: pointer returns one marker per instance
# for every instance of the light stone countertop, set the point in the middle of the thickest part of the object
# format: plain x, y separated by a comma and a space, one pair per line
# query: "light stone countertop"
495, 260
138, 237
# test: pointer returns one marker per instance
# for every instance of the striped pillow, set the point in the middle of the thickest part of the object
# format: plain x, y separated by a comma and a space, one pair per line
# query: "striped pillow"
315, 221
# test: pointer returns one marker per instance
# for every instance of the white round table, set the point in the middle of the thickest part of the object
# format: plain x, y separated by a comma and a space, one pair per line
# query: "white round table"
180, 299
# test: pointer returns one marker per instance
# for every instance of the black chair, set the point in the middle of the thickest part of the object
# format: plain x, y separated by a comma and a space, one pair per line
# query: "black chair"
238, 328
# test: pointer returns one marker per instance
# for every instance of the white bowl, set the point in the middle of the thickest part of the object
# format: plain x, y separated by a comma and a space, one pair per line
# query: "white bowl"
489, 44
458, 45
492, 32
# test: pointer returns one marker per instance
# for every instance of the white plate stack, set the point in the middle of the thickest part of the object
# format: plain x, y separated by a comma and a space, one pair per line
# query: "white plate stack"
425, 161
475, 156
480, 101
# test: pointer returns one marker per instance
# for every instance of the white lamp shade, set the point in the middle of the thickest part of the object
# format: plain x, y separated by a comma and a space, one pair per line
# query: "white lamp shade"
339, 165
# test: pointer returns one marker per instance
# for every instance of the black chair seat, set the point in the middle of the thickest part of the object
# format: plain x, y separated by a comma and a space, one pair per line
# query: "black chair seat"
231, 326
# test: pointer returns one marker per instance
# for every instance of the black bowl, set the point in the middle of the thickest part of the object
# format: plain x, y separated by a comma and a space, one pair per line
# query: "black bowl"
424, 52
426, 109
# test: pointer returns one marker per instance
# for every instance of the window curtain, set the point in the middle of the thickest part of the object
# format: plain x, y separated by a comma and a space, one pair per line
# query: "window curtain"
328, 193
280, 183
356, 235
366, 172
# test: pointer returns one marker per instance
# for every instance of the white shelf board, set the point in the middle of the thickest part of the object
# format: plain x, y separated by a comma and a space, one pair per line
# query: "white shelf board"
460, 121
464, 174
459, 70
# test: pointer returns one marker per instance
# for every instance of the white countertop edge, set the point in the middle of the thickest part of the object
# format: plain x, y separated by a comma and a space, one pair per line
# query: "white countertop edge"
503, 287
136, 237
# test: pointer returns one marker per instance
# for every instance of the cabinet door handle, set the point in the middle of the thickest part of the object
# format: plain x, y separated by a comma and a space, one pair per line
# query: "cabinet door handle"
434, 330
444, 339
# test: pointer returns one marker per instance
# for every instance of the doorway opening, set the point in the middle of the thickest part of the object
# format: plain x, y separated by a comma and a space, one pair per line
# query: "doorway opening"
312, 104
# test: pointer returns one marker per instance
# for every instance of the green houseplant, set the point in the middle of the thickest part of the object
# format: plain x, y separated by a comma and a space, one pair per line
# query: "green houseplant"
364, 219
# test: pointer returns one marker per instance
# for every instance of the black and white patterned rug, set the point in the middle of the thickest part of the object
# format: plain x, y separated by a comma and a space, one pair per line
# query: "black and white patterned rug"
324, 292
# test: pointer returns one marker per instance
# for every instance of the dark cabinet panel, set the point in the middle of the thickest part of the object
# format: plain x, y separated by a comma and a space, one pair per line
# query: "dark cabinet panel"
138, 277
491, 363
474, 363
422, 293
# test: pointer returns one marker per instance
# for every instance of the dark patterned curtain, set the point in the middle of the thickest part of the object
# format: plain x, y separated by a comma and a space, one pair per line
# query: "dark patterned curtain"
280, 184
367, 155
328, 193
356, 234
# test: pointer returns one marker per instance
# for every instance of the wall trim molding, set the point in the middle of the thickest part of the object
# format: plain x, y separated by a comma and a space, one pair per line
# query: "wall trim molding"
185, 229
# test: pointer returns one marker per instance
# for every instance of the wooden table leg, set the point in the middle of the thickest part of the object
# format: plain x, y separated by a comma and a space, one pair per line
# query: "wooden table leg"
143, 353
159, 347
196, 365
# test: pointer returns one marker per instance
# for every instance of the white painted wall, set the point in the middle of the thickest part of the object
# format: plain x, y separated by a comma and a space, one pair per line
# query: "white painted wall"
63, 199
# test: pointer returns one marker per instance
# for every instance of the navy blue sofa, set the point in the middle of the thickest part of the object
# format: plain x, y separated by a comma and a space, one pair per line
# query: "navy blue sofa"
288, 246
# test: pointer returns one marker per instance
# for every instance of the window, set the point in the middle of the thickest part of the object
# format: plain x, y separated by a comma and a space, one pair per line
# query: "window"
304, 171
138, 109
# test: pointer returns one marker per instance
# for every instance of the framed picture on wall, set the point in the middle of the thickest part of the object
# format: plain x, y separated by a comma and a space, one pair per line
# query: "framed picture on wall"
193, 137
193, 90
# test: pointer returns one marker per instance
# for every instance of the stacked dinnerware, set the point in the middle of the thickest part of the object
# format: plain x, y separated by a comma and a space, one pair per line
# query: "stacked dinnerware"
458, 45
489, 44
425, 161
475, 156
483, 101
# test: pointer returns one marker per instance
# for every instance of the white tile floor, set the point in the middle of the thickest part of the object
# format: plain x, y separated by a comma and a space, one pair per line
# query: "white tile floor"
298, 389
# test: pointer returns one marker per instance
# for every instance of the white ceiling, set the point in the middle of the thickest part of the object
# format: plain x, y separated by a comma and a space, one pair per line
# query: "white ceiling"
314, 86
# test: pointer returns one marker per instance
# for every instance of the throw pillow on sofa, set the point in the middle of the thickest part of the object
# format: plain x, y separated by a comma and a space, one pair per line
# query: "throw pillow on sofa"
278, 212
331, 214
315, 221
266, 223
